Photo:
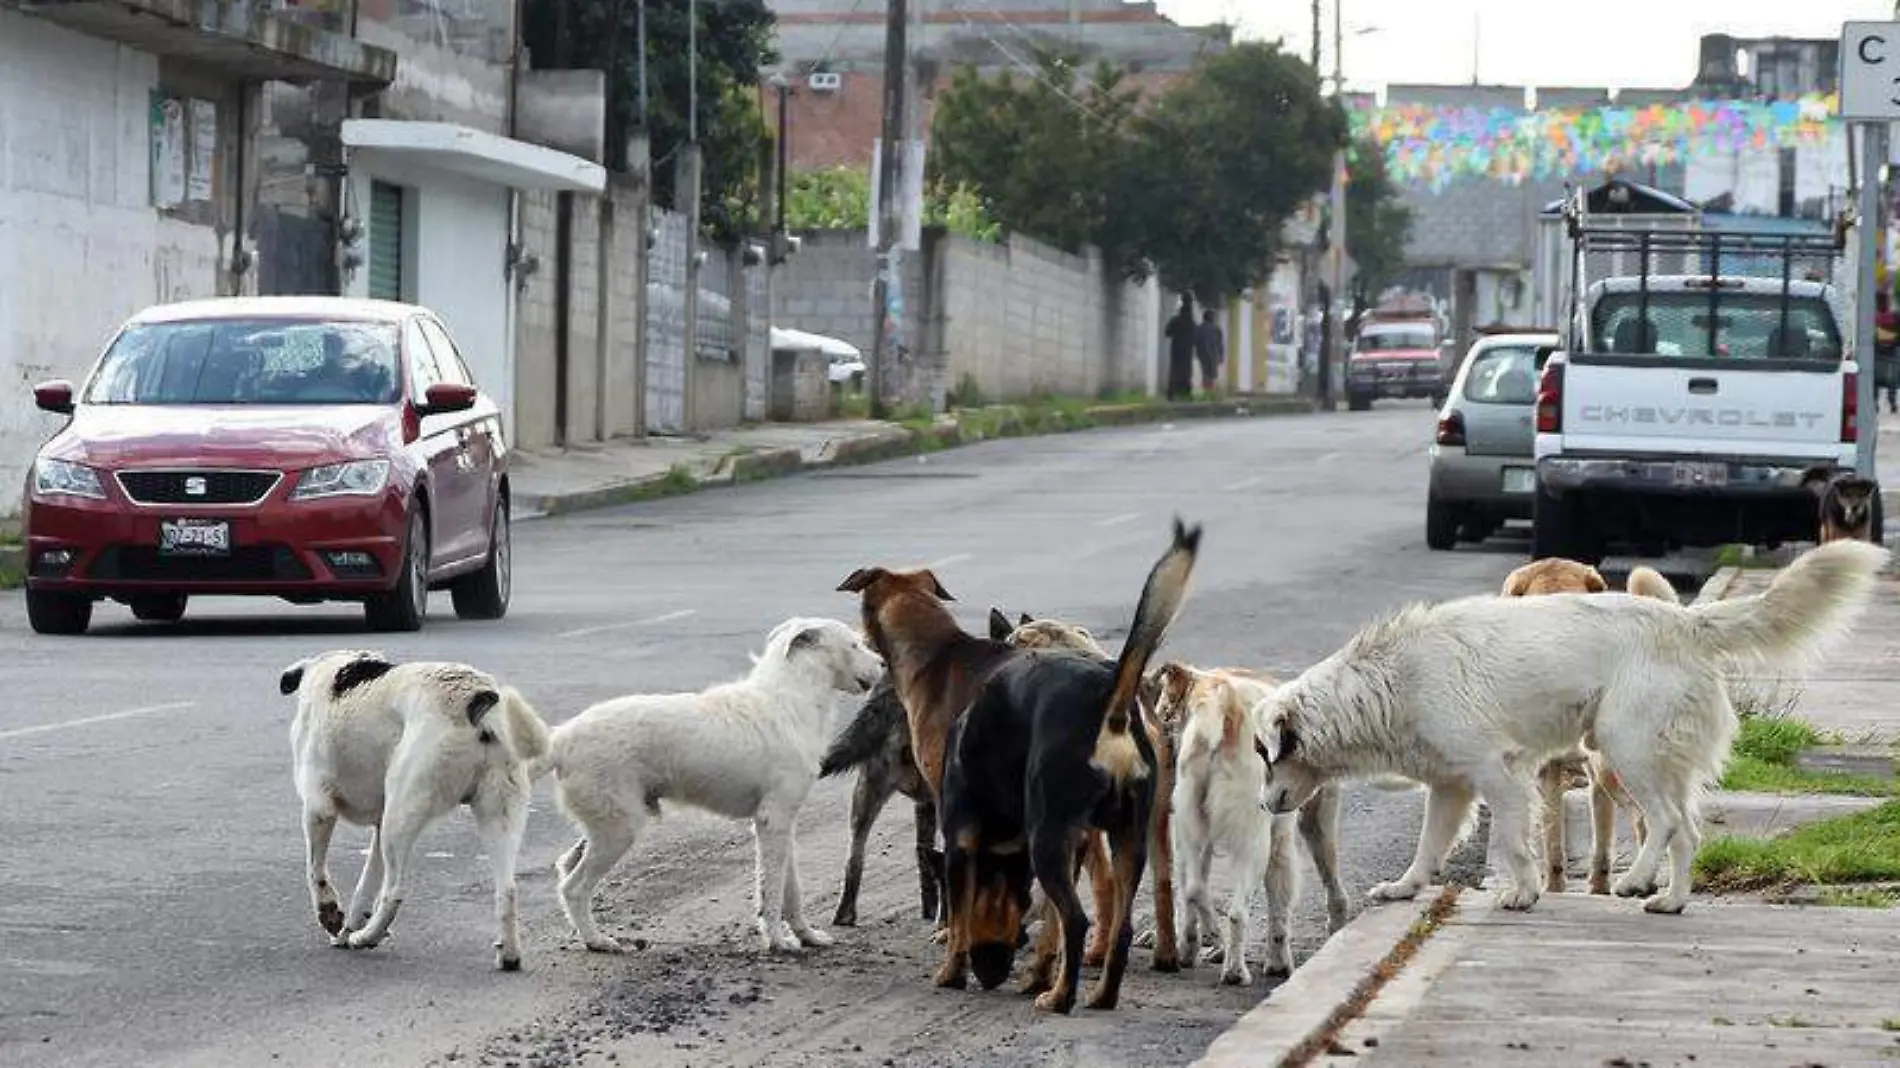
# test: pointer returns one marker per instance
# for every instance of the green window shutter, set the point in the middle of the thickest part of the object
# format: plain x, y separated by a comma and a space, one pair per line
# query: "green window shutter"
385, 241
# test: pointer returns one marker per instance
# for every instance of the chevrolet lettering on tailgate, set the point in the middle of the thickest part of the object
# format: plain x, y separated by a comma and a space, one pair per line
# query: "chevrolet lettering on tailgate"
1620, 415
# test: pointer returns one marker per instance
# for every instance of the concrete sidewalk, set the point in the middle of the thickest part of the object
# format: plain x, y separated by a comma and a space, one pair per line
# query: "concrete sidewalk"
549, 482
1595, 981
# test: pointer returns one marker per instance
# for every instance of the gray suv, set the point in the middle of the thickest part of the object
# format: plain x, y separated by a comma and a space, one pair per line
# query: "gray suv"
1482, 470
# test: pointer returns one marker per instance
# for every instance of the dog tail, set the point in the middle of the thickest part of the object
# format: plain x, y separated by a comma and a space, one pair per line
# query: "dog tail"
1809, 602
1647, 582
1161, 600
526, 731
865, 735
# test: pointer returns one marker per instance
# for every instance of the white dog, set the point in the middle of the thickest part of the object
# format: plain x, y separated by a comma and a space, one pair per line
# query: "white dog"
1216, 804
396, 747
1472, 697
746, 750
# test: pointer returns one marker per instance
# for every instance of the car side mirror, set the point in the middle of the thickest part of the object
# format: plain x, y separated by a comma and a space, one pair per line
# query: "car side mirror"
55, 396
445, 397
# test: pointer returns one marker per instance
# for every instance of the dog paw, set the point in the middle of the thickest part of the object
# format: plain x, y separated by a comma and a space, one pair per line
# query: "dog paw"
1167, 965
1104, 1000
507, 963
1278, 967
1240, 976
1053, 1001
330, 917
940, 936
949, 977
812, 936
845, 919
364, 940
1627, 886
1517, 898
1665, 903
1600, 884
1397, 890
1035, 982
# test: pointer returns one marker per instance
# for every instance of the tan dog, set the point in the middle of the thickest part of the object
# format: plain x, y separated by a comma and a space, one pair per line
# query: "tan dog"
1558, 575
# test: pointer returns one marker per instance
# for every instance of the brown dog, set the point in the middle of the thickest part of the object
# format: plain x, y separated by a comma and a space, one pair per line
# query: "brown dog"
1557, 575
1847, 507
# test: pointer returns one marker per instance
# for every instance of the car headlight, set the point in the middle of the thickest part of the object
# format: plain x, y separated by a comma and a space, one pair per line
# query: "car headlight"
356, 478
55, 477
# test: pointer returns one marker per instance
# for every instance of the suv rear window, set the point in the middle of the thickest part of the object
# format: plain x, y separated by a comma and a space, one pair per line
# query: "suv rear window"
1745, 326
1506, 374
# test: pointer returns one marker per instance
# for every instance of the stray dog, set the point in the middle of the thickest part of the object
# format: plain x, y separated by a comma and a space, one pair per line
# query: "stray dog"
1847, 504
747, 749
1048, 750
1213, 798
1473, 697
395, 747
1558, 575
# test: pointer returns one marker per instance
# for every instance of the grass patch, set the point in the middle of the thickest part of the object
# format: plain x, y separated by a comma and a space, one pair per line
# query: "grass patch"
1860, 897
854, 406
1767, 745
1860, 848
1744, 557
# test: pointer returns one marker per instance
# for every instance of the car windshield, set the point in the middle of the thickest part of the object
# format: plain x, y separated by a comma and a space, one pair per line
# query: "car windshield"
1506, 374
250, 361
1745, 326
1394, 340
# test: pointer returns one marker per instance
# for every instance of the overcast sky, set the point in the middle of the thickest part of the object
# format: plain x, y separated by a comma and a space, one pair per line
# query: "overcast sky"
1615, 43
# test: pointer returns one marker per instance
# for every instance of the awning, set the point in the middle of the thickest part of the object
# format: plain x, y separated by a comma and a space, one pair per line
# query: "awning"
471, 153
237, 40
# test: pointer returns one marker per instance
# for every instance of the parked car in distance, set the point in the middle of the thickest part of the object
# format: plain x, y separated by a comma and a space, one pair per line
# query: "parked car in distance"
1482, 468
1396, 354
309, 448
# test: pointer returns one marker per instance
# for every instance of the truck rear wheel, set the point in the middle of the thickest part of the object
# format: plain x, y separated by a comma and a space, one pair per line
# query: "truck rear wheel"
1558, 528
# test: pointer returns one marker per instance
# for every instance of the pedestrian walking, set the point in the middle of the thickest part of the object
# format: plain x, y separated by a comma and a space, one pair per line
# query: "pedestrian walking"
1211, 346
1182, 337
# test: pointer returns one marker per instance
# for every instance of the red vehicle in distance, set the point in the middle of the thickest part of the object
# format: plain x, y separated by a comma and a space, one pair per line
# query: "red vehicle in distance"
308, 448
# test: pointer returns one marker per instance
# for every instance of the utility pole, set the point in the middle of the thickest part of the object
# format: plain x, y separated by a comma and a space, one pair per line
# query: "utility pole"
1316, 69
1334, 338
889, 224
686, 185
1873, 141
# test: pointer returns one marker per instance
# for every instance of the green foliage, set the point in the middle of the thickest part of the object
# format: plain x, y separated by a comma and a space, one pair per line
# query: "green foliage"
1861, 848
734, 44
1195, 184
1378, 226
840, 199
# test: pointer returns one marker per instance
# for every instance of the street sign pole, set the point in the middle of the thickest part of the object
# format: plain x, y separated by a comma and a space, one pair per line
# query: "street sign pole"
1870, 100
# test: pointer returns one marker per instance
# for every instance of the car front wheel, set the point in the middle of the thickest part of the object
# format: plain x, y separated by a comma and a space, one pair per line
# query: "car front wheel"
484, 594
404, 607
159, 607
57, 613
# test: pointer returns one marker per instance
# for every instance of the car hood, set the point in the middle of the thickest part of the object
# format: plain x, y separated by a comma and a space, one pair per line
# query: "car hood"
277, 436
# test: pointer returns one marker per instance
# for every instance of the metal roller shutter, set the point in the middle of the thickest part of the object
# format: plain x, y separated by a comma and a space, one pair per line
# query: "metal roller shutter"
385, 241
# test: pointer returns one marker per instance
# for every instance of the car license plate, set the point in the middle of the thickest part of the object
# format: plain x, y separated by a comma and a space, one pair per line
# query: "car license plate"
1519, 480
194, 537
1699, 474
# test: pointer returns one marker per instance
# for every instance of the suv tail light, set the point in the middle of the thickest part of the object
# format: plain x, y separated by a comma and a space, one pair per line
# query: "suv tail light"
1550, 399
1451, 429
1850, 407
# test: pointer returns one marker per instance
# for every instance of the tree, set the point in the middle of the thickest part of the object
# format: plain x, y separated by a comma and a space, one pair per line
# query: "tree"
734, 44
1226, 156
1378, 226
1045, 154
840, 199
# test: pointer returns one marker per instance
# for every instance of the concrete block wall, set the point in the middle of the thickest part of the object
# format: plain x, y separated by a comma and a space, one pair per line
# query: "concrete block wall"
626, 305
666, 325
583, 319
534, 326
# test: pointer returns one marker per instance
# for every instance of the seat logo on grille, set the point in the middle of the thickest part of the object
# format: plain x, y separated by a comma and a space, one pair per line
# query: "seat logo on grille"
195, 486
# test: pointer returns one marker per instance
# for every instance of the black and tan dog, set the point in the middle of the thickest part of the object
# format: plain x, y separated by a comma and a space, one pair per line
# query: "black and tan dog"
1847, 504
1050, 749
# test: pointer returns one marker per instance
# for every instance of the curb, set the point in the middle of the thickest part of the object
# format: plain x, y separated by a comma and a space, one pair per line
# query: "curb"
886, 444
1339, 984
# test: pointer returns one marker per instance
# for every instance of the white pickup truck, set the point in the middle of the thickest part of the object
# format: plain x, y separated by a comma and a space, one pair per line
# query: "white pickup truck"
1691, 409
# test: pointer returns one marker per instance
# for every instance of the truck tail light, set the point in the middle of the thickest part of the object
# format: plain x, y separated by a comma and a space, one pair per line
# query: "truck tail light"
1850, 407
1451, 429
1550, 399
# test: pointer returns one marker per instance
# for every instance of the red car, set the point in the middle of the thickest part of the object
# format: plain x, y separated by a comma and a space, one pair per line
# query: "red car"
308, 448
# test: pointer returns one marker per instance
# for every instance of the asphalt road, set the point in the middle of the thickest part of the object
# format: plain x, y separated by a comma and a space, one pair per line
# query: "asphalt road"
152, 908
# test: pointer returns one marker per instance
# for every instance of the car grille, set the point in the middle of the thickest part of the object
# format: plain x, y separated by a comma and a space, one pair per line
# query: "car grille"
215, 487
247, 563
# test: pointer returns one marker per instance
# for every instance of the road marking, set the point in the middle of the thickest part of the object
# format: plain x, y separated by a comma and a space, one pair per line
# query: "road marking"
1245, 483
130, 713
1118, 520
650, 621
953, 558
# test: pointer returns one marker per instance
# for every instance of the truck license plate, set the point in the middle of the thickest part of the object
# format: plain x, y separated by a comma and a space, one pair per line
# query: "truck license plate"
1700, 474
194, 537
1519, 480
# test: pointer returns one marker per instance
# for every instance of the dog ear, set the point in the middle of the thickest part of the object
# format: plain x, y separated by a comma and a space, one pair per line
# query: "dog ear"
936, 586
291, 679
1000, 629
1817, 480
479, 705
364, 669
1275, 740
1026, 620
1593, 581
861, 579
809, 638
